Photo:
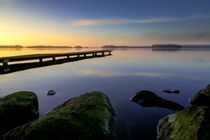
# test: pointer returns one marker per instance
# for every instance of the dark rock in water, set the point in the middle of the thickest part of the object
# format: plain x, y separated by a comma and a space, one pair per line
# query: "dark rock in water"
192, 123
202, 97
147, 98
172, 91
17, 109
86, 117
51, 92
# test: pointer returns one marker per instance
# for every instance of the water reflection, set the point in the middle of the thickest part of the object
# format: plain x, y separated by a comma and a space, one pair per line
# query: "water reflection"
10, 49
93, 72
167, 50
119, 76
26, 51
102, 73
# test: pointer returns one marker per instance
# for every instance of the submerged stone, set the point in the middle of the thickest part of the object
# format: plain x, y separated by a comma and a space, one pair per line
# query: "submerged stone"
147, 98
191, 123
172, 91
51, 92
202, 97
86, 117
17, 109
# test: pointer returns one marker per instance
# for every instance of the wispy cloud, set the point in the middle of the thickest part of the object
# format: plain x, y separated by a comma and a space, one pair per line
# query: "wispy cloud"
116, 21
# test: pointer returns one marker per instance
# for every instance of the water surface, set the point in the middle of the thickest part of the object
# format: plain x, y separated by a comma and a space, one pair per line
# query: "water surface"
120, 76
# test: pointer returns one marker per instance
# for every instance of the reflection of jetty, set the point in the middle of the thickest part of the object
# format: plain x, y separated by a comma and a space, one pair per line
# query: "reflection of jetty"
38, 60
16, 46
166, 46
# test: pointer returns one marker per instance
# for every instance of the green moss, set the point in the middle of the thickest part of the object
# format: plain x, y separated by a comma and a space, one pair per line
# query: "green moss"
17, 108
89, 116
22, 99
205, 91
186, 124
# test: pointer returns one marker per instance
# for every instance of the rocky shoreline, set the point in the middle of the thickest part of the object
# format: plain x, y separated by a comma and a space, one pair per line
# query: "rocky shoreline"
191, 123
17, 108
92, 116
85, 117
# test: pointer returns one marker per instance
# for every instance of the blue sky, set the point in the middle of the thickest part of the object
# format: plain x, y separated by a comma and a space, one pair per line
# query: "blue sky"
101, 22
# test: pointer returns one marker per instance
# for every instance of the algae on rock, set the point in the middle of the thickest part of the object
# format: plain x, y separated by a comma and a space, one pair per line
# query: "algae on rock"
192, 123
86, 117
202, 97
17, 109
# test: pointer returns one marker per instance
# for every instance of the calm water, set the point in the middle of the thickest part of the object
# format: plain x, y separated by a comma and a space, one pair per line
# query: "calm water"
119, 76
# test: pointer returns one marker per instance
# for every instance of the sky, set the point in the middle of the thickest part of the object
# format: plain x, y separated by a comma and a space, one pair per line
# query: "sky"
104, 22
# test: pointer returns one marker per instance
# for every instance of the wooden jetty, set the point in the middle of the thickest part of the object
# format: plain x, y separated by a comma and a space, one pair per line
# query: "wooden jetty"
54, 58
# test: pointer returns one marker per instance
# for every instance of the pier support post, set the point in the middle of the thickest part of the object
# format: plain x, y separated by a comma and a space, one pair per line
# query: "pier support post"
103, 53
84, 55
40, 60
95, 54
68, 57
53, 59
109, 52
5, 65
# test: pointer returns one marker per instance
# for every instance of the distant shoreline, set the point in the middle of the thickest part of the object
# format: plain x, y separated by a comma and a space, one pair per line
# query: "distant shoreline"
11, 46
103, 47
150, 47
48, 47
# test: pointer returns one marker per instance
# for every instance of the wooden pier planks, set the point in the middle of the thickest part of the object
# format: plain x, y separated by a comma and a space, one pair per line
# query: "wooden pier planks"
79, 55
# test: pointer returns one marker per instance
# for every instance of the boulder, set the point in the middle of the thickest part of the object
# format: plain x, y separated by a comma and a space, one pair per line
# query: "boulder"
86, 117
147, 98
192, 123
17, 109
202, 97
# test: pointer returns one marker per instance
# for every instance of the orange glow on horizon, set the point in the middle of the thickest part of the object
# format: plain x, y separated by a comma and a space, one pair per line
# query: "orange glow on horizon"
17, 32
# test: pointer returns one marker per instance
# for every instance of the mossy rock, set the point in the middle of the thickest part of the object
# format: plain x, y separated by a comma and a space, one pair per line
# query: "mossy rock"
192, 123
17, 109
202, 97
86, 117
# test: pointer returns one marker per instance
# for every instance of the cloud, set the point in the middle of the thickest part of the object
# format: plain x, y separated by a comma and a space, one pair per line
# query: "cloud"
204, 35
186, 36
116, 21
88, 22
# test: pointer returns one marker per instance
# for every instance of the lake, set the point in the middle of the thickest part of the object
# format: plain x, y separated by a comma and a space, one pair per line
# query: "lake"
119, 76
